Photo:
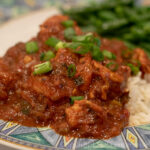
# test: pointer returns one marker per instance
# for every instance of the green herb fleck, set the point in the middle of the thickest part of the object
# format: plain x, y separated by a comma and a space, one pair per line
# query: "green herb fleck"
47, 56
71, 70
31, 47
52, 41
68, 23
42, 68
74, 98
69, 33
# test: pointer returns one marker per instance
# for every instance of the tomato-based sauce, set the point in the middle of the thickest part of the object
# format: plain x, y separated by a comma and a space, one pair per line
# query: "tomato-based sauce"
34, 99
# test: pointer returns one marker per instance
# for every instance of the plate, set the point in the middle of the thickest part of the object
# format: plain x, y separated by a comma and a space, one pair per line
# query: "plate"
21, 137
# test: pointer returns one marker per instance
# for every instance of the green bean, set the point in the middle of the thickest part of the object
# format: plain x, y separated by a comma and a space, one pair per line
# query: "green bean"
107, 15
115, 19
113, 24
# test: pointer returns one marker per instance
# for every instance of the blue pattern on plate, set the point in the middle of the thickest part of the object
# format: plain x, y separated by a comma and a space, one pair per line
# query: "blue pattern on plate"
131, 138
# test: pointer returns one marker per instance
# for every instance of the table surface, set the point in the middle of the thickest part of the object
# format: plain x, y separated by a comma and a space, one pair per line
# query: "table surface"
2, 147
10, 9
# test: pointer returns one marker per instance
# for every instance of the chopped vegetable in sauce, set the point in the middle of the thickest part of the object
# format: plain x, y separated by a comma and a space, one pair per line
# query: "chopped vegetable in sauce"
59, 45
68, 23
97, 54
52, 41
83, 38
42, 68
31, 47
113, 66
135, 70
79, 48
108, 54
69, 33
71, 70
47, 56
86, 43
75, 98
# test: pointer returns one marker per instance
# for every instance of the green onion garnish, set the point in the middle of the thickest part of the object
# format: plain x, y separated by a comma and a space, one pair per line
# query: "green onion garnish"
71, 70
97, 41
83, 44
42, 56
77, 47
72, 45
31, 47
83, 48
88, 38
47, 56
69, 33
68, 23
42, 68
113, 66
134, 69
97, 54
52, 41
83, 38
108, 54
73, 98
135, 62
59, 45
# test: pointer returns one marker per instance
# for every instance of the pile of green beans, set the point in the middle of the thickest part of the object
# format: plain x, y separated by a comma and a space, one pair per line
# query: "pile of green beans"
119, 19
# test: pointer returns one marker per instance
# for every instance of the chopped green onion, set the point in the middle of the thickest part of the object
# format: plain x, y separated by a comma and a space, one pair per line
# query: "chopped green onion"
83, 38
83, 48
113, 66
134, 69
97, 41
97, 54
67, 23
31, 47
83, 44
88, 38
59, 45
42, 68
71, 70
135, 62
69, 33
108, 54
72, 45
73, 98
52, 41
77, 47
47, 56
42, 56
79, 38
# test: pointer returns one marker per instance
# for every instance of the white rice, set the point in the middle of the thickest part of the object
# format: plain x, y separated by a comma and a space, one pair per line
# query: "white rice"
139, 100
